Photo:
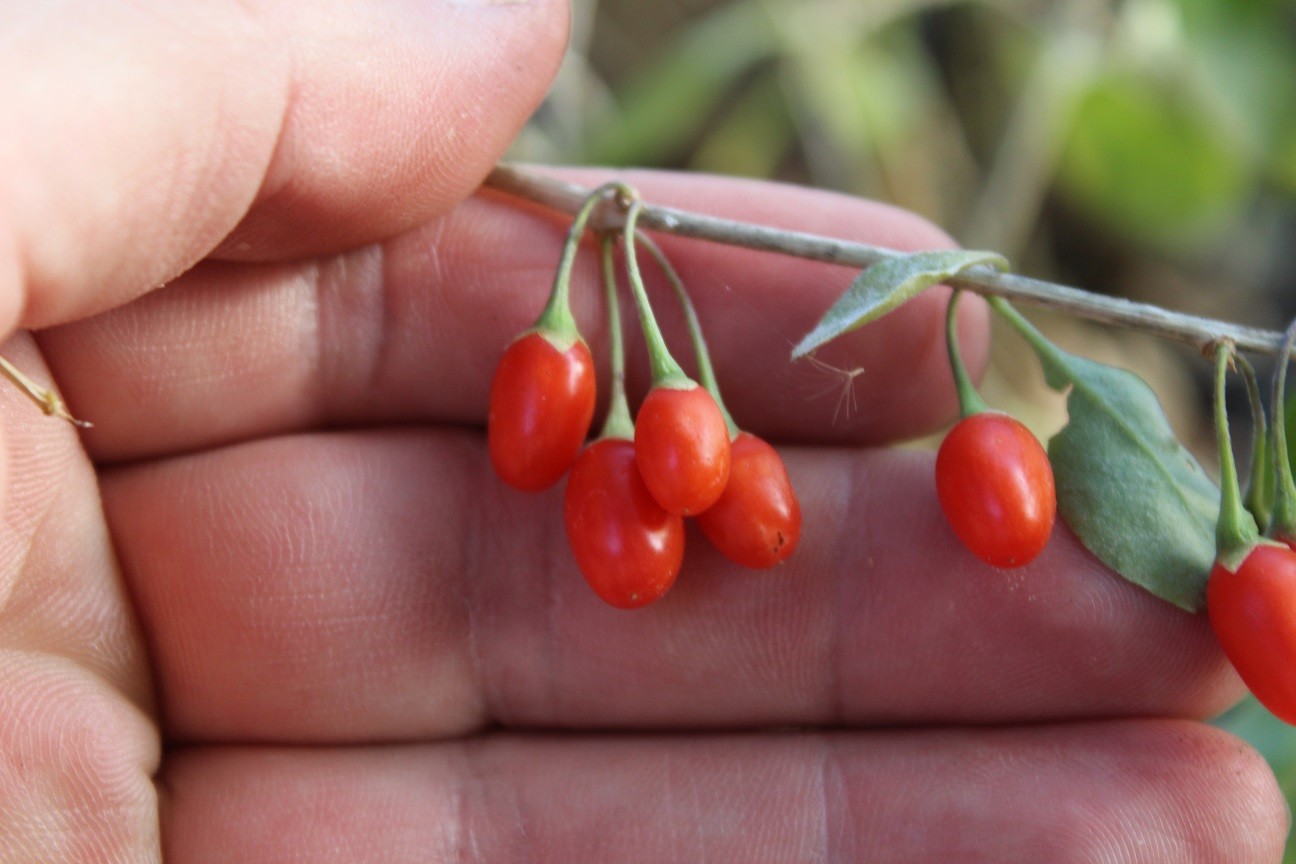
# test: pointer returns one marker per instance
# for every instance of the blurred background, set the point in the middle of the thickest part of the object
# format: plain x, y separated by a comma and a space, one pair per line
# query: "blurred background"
1144, 148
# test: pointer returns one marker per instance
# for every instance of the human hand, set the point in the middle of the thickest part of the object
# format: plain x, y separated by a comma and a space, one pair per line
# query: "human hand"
274, 607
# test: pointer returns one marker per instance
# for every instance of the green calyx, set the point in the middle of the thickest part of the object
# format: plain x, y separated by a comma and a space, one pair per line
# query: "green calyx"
619, 423
665, 371
970, 401
1236, 533
556, 322
706, 372
1283, 521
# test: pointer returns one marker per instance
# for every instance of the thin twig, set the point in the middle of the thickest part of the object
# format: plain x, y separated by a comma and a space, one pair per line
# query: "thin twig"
45, 398
1144, 317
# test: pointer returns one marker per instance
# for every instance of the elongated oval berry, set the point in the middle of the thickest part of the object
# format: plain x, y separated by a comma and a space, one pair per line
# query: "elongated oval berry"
627, 547
1253, 613
541, 405
681, 443
757, 521
995, 486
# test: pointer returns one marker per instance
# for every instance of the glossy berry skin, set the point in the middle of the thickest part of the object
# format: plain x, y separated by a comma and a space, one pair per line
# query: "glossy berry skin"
996, 488
1253, 613
627, 547
757, 521
541, 405
682, 446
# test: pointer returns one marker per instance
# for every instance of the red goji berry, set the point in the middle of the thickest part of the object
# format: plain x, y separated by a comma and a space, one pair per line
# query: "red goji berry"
541, 405
995, 486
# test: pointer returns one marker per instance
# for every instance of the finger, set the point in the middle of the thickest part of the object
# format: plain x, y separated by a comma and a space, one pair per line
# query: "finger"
60, 592
78, 761
413, 330
78, 742
1155, 791
384, 586
397, 113
315, 125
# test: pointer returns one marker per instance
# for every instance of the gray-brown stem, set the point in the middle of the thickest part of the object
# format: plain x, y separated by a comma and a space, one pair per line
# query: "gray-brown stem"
1144, 317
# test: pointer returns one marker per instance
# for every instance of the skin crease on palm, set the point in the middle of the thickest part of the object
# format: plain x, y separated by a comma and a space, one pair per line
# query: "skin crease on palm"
275, 608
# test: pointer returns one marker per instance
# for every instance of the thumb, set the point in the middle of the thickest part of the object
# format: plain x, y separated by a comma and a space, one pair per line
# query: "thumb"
141, 136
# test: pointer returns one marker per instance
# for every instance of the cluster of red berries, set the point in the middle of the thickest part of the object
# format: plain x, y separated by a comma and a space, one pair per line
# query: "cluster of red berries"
629, 490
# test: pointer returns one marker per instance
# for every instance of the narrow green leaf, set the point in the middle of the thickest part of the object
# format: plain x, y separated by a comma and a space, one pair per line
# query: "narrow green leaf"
886, 285
1129, 490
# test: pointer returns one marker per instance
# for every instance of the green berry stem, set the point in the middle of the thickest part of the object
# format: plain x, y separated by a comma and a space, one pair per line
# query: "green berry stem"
1028, 331
556, 319
1236, 531
619, 423
1259, 495
1284, 508
970, 401
706, 372
665, 371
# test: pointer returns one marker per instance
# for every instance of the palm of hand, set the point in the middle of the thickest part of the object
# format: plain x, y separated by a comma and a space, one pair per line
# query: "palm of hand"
277, 609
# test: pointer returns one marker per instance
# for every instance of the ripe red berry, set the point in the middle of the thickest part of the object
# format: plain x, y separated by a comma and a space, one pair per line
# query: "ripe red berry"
996, 489
757, 521
1253, 613
628, 548
541, 404
681, 443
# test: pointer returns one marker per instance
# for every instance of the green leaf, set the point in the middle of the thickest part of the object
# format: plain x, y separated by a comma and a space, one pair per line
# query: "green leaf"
1129, 490
888, 284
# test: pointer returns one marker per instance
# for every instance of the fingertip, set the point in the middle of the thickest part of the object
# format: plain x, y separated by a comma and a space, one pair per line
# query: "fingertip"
370, 149
300, 127
1229, 786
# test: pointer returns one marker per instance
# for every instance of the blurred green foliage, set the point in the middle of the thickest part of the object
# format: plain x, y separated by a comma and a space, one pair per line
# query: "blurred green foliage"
1139, 147
1145, 158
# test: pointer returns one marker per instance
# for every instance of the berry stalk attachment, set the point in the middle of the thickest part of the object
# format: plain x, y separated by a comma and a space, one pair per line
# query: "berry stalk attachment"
757, 520
1251, 594
993, 478
627, 547
681, 438
1258, 499
1282, 526
542, 396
